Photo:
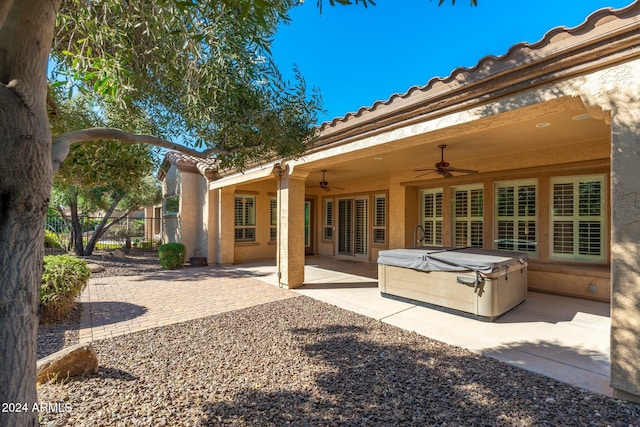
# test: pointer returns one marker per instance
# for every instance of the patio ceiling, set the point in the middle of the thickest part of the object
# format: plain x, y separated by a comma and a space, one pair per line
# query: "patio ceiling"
478, 148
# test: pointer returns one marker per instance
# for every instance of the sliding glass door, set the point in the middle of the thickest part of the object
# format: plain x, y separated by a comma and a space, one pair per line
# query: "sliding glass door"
353, 227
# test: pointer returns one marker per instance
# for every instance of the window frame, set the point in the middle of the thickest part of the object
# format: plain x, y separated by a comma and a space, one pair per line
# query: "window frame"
515, 219
436, 221
377, 227
246, 221
169, 199
328, 220
576, 218
468, 220
273, 219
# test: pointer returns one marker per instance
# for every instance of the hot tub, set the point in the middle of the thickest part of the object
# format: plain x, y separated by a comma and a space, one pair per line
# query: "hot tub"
478, 282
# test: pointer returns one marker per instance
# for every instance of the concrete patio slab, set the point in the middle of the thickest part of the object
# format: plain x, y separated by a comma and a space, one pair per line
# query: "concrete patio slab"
561, 337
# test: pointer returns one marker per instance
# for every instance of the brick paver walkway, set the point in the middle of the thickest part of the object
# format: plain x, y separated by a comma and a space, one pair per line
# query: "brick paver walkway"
112, 306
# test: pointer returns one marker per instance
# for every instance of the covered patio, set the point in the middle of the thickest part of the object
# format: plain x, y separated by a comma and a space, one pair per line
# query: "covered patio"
561, 337
534, 151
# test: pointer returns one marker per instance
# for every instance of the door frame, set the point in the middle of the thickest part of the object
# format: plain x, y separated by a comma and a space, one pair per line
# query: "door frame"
367, 228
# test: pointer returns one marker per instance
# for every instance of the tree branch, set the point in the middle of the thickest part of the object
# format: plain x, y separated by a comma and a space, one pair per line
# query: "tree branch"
62, 143
5, 7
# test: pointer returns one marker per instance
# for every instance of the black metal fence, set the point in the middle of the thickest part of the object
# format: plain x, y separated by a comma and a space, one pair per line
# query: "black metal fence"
140, 233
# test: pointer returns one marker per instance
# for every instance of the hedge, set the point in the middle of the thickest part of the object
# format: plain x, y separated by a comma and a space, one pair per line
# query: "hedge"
63, 279
172, 255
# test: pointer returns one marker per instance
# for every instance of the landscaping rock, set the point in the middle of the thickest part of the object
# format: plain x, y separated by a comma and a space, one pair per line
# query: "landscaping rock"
95, 268
79, 359
117, 253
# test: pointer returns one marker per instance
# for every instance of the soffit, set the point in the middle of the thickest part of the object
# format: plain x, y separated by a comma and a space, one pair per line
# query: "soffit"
470, 147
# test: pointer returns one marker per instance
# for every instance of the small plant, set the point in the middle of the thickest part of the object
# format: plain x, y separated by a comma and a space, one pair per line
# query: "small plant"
51, 240
172, 255
157, 241
63, 279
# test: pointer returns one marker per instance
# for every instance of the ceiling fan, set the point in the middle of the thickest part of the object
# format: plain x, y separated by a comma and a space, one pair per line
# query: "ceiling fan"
443, 168
324, 184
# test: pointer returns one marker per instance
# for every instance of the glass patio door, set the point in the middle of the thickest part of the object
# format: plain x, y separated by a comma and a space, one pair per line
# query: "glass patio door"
353, 227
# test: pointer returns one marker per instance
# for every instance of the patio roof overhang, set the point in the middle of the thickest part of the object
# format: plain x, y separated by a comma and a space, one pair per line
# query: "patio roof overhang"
479, 112
254, 174
515, 106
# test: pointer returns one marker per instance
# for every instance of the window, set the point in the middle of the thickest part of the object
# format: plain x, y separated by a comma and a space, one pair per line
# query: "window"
328, 220
273, 219
578, 218
245, 218
516, 225
353, 226
361, 220
307, 224
379, 219
171, 205
431, 216
468, 217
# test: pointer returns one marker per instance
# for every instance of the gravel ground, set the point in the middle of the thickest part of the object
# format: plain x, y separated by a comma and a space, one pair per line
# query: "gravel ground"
54, 337
302, 362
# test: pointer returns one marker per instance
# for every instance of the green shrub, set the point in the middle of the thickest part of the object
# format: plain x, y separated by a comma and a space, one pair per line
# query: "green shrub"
51, 240
147, 245
107, 246
63, 279
172, 255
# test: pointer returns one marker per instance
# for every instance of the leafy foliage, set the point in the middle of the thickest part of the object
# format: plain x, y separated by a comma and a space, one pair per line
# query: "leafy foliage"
200, 72
51, 240
453, 2
366, 3
100, 176
63, 279
172, 255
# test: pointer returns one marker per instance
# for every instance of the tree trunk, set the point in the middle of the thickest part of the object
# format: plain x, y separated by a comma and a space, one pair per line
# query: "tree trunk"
76, 226
103, 226
25, 184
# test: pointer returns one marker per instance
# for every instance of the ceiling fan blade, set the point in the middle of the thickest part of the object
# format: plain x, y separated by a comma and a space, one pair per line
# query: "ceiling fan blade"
469, 171
428, 171
446, 173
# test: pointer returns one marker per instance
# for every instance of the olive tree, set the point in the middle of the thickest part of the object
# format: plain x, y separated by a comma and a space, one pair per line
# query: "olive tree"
99, 177
199, 70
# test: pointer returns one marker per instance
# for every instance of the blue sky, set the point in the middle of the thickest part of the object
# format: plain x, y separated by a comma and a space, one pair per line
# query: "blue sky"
357, 56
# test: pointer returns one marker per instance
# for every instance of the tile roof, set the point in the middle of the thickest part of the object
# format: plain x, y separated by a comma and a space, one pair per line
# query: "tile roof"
555, 41
204, 165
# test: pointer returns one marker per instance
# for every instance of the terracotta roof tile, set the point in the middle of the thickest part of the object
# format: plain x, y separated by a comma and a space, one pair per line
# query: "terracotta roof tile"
491, 65
206, 166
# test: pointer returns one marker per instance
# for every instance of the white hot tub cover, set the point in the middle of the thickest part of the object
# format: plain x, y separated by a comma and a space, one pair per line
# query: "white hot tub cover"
483, 261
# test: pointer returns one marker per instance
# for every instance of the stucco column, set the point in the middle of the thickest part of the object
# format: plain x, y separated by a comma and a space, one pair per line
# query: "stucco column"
212, 226
397, 232
225, 246
190, 218
625, 250
290, 251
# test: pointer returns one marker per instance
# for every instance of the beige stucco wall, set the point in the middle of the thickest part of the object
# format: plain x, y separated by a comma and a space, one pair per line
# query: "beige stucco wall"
349, 189
171, 185
193, 207
609, 94
262, 248
188, 226
625, 266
